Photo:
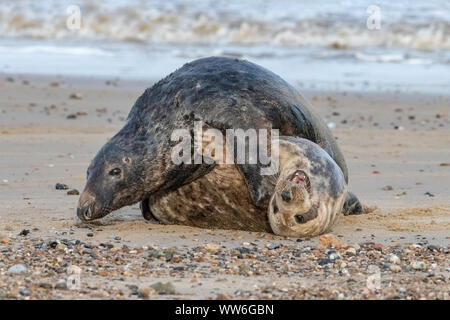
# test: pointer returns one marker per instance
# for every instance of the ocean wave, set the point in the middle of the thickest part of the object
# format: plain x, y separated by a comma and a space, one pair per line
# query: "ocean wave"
248, 23
391, 58
55, 50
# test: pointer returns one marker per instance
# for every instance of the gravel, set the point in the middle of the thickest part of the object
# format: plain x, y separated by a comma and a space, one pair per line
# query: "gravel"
331, 269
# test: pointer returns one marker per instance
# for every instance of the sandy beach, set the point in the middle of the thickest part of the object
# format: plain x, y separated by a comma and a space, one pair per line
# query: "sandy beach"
397, 148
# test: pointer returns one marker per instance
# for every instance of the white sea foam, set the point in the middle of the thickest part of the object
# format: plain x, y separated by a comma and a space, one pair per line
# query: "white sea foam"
391, 58
284, 23
55, 50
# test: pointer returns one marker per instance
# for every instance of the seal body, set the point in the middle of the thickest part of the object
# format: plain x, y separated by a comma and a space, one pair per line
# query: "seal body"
223, 93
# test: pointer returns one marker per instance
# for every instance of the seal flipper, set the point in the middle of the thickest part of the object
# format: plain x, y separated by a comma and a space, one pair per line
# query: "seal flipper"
260, 187
145, 210
352, 206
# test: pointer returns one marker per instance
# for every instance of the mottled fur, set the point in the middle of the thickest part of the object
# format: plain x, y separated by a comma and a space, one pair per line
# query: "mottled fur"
312, 210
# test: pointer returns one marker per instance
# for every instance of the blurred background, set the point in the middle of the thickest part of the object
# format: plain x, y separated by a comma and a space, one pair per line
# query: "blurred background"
316, 45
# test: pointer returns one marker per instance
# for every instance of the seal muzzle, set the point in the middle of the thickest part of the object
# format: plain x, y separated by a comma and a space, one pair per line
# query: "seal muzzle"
84, 213
85, 204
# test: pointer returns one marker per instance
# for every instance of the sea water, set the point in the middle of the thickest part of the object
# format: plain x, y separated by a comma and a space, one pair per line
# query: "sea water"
332, 45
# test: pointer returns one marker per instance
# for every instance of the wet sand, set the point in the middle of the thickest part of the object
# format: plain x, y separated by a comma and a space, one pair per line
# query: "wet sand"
397, 148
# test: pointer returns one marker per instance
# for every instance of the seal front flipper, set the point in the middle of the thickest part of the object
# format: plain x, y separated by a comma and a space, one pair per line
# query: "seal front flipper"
260, 187
145, 210
352, 205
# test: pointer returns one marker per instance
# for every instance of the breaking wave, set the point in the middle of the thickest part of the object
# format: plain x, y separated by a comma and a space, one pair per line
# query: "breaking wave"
283, 23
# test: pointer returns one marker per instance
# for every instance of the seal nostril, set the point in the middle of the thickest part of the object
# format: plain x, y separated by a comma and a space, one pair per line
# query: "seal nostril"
83, 213
286, 195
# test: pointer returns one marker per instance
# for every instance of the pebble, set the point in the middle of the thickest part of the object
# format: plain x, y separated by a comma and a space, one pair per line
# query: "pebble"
61, 284
145, 293
61, 246
387, 188
418, 265
395, 268
4, 240
324, 261
335, 256
350, 252
329, 239
86, 251
433, 247
155, 254
90, 234
211, 247
61, 186
273, 246
45, 285
24, 232
394, 259
163, 288
18, 268
76, 96
24, 293
73, 192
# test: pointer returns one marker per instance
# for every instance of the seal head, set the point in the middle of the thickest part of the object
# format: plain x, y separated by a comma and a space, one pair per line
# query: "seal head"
310, 190
115, 178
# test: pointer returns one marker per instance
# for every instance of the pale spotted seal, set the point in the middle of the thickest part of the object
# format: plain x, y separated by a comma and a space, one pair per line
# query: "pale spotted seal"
308, 194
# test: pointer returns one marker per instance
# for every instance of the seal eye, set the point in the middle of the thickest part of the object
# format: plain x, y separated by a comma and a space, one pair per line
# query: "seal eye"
115, 172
